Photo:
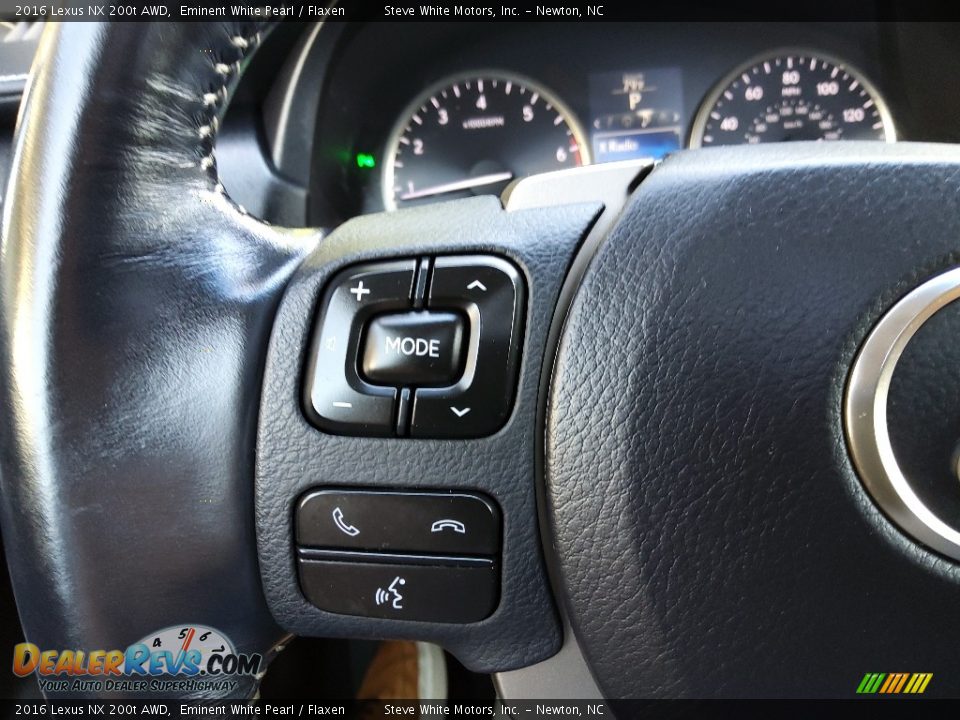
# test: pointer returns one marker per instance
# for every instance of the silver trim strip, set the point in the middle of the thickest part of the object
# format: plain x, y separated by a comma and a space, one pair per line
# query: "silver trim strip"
865, 413
567, 674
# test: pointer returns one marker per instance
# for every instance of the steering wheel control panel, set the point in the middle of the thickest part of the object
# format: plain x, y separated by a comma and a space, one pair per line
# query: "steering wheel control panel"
420, 328
401, 555
423, 348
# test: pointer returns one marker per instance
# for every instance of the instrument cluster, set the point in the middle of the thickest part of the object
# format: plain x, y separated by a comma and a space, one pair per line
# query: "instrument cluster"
469, 108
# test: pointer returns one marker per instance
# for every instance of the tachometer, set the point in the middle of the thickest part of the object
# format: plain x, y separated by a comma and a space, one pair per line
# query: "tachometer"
472, 135
792, 96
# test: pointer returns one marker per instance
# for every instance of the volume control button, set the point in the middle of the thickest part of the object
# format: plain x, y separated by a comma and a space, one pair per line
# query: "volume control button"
336, 398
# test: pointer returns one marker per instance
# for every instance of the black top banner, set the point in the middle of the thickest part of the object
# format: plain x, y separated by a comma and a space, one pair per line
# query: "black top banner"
494, 710
475, 11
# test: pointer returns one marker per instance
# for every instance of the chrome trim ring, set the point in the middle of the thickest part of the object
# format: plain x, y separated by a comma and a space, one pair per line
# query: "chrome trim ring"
388, 177
698, 127
865, 414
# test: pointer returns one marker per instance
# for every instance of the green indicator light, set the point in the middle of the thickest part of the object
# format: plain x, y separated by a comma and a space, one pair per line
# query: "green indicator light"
365, 160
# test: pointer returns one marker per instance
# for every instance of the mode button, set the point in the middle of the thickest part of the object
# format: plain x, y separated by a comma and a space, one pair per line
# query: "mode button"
414, 348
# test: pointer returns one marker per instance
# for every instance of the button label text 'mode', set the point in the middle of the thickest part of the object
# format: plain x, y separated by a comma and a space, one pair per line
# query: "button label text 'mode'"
412, 346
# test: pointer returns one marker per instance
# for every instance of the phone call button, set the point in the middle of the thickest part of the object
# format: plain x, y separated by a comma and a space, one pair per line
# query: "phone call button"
396, 521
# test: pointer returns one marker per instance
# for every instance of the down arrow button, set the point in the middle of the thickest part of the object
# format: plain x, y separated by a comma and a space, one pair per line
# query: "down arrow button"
489, 292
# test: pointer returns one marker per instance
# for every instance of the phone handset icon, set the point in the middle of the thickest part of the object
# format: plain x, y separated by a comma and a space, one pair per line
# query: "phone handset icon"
441, 525
342, 524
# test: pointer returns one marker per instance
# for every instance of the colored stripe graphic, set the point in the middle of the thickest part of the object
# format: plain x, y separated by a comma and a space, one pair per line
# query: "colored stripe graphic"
894, 683
891, 680
903, 680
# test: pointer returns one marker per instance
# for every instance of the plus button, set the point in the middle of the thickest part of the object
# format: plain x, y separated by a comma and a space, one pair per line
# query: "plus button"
360, 291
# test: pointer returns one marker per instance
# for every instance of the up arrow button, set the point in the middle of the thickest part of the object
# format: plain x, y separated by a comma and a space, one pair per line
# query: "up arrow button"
488, 293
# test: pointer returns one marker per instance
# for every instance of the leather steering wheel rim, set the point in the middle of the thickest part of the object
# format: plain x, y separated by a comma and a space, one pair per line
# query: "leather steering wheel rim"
136, 306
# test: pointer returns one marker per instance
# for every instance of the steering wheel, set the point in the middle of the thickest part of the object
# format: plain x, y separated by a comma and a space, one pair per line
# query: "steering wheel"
701, 474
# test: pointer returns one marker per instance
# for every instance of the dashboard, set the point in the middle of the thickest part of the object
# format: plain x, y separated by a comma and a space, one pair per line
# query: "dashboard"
408, 113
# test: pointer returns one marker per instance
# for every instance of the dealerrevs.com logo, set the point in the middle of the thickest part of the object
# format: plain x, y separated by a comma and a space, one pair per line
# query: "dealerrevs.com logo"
177, 659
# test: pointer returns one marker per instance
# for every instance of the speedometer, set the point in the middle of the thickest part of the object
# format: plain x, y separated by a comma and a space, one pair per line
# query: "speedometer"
792, 96
473, 134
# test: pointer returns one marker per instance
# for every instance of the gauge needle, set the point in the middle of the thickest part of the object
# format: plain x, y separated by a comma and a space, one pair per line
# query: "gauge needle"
473, 182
